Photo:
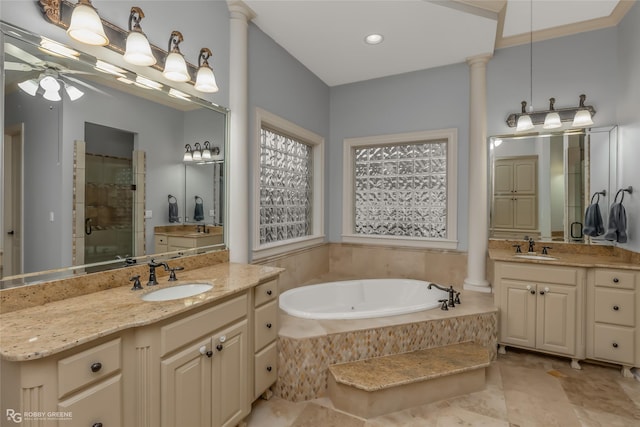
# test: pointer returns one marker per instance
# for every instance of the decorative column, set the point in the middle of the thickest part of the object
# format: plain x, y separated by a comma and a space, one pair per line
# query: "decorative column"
478, 210
238, 221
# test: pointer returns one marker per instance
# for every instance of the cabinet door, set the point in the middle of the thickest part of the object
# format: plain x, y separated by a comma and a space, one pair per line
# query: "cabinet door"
230, 393
100, 404
524, 212
502, 213
186, 387
524, 176
503, 177
518, 315
556, 326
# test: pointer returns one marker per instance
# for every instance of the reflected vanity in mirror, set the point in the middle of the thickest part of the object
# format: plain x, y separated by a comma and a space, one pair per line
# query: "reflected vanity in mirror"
541, 184
87, 167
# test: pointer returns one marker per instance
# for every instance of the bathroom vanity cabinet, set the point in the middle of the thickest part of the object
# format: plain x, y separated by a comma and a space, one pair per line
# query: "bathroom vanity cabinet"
541, 308
265, 335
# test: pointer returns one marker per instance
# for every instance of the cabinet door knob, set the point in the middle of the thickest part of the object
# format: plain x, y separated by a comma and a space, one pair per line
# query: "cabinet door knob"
615, 345
541, 292
269, 368
97, 425
269, 292
219, 347
616, 280
205, 352
95, 367
616, 308
269, 325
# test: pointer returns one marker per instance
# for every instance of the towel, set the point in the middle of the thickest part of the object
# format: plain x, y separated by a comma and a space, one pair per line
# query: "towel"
617, 227
593, 225
173, 210
198, 213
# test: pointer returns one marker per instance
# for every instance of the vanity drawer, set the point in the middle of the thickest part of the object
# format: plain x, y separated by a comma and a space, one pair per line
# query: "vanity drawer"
88, 366
190, 328
99, 404
266, 329
615, 278
615, 306
265, 292
614, 343
265, 369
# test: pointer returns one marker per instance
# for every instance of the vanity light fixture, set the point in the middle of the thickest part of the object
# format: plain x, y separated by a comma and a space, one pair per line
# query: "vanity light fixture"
583, 116
175, 67
188, 154
205, 79
138, 51
579, 116
524, 121
108, 68
56, 49
146, 83
175, 93
206, 151
86, 26
552, 119
197, 152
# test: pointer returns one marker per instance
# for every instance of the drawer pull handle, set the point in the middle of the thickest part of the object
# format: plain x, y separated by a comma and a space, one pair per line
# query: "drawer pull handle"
269, 292
269, 325
205, 352
531, 291
616, 308
219, 347
615, 345
615, 280
97, 425
269, 368
95, 367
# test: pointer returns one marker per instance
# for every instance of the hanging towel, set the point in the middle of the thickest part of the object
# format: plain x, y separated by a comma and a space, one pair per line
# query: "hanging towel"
593, 225
173, 209
198, 214
617, 227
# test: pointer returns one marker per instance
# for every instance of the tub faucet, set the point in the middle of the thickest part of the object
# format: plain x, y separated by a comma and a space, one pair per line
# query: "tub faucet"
454, 296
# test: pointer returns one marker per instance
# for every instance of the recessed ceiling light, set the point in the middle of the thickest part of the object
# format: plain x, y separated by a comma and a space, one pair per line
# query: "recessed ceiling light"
374, 39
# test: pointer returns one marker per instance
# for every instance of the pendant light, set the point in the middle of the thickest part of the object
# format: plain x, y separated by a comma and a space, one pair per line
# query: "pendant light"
175, 67
138, 50
86, 26
552, 119
583, 116
205, 79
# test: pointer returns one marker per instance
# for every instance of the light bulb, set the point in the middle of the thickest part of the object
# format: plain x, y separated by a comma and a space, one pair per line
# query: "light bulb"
86, 26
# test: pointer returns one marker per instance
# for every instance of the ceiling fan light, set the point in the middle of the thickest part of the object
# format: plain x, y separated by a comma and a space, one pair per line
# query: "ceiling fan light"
73, 92
175, 68
138, 50
86, 26
582, 118
206, 80
29, 86
52, 95
552, 121
524, 123
49, 84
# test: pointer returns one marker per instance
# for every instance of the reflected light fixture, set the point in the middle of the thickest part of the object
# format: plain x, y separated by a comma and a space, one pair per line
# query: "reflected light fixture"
197, 152
373, 39
205, 79
175, 67
73, 92
146, 83
206, 151
583, 115
175, 93
29, 86
56, 49
108, 68
524, 121
86, 26
48, 84
552, 119
138, 50
188, 154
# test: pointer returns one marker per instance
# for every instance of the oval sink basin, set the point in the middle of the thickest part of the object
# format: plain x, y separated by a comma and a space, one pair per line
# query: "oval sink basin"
536, 257
177, 292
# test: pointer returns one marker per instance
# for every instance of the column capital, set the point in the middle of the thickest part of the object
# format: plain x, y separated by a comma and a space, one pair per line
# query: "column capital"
481, 59
239, 10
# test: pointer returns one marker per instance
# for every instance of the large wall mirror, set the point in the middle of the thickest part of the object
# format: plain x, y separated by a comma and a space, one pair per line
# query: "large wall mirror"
90, 157
541, 184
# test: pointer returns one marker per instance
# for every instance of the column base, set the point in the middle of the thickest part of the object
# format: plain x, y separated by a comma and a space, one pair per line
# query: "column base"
477, 285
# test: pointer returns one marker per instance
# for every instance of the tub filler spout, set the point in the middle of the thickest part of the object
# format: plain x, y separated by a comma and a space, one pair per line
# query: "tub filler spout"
454, 296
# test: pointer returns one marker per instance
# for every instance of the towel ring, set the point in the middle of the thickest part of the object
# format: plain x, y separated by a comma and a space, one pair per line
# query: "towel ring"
629, 190
199, 200
597, 194
174, 199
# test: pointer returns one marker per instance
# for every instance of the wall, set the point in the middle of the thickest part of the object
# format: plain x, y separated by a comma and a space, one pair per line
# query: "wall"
628, 117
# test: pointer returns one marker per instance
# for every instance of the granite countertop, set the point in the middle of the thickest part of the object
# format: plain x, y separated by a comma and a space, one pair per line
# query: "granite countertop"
41, 331
567, 259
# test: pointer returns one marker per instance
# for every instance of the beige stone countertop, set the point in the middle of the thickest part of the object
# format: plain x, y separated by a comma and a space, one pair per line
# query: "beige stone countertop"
41, 331
568, 259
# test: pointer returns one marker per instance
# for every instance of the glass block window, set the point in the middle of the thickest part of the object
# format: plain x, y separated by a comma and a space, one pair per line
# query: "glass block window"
401, 190
286, 183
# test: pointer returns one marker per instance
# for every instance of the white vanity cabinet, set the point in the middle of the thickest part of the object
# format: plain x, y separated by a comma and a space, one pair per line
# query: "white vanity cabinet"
541, 308
265, 360
613, 326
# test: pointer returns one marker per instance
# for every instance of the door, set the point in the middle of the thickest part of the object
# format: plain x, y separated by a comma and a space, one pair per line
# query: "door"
230, 392
518, 314
12, 201
556, 329
186, 387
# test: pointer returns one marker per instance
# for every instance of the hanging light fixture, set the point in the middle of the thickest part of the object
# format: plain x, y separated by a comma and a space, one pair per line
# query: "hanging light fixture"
552, 119
188, 155
73, 92
206, 151
205, 79
138, 51
48, 84
86, 26
583, 115
197, 152
175, 67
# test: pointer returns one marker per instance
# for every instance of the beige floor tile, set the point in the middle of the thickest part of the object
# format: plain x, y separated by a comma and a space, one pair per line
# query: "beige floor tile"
489, 402
275, 412
590, 418
315, 415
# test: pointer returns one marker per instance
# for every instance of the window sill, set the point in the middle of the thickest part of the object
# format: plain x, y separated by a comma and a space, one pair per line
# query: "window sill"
279, 248
412, 242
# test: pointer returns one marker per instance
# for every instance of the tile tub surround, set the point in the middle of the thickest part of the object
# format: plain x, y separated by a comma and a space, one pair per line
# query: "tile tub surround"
22, 297
307, 347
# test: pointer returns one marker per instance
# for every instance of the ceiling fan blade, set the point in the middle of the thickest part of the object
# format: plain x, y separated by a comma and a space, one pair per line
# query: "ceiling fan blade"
18, 53
87, 85
17, 66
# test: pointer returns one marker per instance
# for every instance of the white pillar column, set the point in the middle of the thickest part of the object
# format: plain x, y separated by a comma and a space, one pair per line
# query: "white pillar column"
238, 156
478, 210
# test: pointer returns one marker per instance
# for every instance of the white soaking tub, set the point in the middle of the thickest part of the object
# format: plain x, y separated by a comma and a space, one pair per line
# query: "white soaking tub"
360, 299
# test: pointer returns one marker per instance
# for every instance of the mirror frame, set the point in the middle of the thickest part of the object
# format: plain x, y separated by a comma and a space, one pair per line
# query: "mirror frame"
10, 30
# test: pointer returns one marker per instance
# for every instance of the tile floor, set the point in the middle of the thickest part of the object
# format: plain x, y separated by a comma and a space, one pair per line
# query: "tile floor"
523, 389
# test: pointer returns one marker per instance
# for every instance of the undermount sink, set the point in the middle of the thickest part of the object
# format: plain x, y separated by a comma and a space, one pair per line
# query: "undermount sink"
177, 292
536, 257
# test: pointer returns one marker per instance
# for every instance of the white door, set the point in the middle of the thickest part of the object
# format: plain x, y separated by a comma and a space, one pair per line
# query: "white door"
12, 201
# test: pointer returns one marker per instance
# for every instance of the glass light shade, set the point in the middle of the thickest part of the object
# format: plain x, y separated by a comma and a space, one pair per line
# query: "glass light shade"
86, 26
197, 155
187, 157
29, 86
205, 80
73, 92
52, 95
138, 51
206, 154
582, 118
49, 83
175, 68
552, 121
524, 123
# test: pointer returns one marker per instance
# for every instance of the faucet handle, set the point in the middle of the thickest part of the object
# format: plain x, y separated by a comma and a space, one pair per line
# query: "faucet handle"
136, 283
545, 250
518, 249
172, 274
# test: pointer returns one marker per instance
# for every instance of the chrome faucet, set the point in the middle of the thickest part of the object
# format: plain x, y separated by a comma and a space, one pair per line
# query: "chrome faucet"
152, 272
454, 296
531, 244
